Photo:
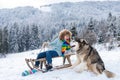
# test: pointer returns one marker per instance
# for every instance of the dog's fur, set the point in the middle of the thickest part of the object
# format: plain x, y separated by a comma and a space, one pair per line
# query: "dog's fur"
88, 59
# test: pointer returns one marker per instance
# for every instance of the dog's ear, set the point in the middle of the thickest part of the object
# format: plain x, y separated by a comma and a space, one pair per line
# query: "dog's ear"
81, 40
85, 42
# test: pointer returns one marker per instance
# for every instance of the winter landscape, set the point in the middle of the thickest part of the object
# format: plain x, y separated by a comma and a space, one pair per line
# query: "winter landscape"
24, 29
13, 65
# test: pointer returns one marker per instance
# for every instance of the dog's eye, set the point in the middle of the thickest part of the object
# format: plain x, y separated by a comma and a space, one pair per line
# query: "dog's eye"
73, 41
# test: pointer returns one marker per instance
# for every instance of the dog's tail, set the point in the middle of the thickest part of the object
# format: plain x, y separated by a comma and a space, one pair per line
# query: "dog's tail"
109, 74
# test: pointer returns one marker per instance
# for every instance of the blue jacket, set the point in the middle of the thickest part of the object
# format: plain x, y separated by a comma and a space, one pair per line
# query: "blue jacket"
56, 45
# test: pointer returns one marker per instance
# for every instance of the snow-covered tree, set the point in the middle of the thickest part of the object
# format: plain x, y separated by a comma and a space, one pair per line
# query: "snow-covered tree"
5, 41
13, 43
90, 35
73, 31
34, 37
1, 49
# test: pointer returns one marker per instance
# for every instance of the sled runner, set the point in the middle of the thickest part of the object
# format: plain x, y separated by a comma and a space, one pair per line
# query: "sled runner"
31, 63
34, 70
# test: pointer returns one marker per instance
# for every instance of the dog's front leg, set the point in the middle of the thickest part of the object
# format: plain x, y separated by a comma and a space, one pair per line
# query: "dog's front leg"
75, 64
81, 67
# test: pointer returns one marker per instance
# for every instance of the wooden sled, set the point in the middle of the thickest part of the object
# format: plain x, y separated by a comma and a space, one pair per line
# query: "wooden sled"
31, 62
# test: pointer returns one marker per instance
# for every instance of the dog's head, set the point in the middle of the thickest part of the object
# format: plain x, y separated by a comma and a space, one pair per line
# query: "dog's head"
79, 44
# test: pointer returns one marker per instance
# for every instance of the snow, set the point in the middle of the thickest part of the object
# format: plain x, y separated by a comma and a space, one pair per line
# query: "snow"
13, 65
45, 9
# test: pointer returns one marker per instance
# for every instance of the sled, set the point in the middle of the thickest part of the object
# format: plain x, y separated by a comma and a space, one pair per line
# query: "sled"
31, 62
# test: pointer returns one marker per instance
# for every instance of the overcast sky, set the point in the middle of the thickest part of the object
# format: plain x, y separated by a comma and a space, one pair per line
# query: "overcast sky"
34, 3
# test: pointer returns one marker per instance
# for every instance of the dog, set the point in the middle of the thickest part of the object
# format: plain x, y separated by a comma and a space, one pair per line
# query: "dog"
88, 59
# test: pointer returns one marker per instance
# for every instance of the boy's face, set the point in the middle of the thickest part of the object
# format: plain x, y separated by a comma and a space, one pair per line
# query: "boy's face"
66, 37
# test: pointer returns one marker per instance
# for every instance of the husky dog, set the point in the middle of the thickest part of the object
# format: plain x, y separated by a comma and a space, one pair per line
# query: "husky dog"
88, 59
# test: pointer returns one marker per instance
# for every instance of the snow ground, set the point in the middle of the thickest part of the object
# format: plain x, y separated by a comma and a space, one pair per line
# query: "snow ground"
13, 65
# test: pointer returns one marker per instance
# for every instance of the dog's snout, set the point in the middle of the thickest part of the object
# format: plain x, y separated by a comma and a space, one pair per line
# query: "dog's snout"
73, 46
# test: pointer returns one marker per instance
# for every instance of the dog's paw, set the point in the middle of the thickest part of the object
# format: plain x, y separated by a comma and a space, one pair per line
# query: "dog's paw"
78, 69
70, 67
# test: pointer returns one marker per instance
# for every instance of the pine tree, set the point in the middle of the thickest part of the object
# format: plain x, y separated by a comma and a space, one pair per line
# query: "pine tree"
27, 38
1, 48
13, 43
109, 19
2, 54
101, 31
73, 31
118, 35
5, 40
112, 28
34, 39
91, 25
20, 39
90, 35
